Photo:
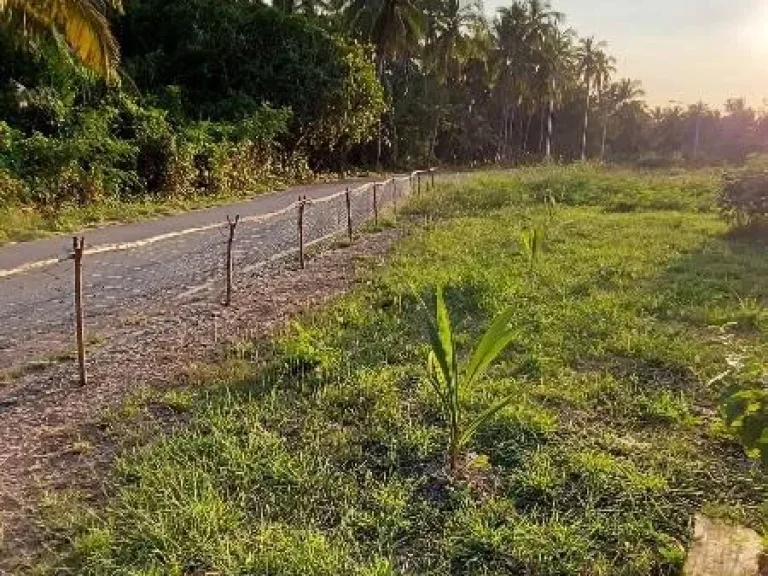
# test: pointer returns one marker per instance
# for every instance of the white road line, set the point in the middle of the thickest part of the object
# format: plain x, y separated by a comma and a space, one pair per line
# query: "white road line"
29, 266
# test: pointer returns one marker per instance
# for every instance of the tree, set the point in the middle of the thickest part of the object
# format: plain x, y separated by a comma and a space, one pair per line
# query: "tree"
242, 55
542, 27
619, 96
457, 37
511, 59
82, 23
556, 61
395, 28
594, 68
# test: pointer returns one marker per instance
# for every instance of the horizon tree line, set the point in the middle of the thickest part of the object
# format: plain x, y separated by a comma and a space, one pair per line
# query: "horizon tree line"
463, 86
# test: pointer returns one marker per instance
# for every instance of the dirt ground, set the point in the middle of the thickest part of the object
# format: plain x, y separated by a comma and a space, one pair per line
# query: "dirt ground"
46, 417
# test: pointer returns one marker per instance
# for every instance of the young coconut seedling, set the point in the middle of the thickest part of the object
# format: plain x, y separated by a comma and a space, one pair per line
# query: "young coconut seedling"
531, 244
451, 383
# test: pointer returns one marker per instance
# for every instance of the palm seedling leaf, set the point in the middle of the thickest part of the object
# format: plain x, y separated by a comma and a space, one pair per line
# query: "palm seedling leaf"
494, 341
489, 413
437, 378
441, 337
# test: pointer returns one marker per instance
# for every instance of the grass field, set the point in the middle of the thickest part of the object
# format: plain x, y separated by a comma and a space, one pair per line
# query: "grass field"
324, 452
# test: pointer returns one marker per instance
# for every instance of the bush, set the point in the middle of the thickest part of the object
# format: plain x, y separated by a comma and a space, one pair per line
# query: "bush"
744, 197
744, 407
41, 110
12, 190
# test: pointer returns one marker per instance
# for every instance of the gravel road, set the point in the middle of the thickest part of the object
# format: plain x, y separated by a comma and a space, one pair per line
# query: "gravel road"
175, 258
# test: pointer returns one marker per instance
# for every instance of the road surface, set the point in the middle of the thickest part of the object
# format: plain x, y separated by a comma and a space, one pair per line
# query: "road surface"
136, 265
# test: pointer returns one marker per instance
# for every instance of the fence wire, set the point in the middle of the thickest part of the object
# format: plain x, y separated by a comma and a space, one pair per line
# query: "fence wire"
36, 307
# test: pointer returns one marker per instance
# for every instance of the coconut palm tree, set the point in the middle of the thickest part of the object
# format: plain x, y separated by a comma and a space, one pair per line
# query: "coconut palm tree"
594, 68
542, 22
456, 35
619, 95
395, 28
511, 59
556, 61
82, 23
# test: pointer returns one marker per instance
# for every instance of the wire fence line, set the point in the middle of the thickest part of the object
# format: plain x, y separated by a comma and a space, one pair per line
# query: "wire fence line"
36, 302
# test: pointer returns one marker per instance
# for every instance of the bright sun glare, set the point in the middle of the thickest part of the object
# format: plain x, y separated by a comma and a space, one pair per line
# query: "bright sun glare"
754, 31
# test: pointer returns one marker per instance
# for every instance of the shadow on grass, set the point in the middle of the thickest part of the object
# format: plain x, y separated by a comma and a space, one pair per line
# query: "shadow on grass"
722, 283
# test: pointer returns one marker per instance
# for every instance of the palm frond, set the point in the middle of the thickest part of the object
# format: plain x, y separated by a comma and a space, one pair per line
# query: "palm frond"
81, 23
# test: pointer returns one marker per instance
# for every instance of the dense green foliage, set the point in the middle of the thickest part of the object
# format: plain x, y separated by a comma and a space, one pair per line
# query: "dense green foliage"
744, 199
324, 453
224, 97
254, 96
241, 55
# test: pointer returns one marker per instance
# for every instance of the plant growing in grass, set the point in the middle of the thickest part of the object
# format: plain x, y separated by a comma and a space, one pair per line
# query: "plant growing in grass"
745, 409
551, 204
451, 383
531, 243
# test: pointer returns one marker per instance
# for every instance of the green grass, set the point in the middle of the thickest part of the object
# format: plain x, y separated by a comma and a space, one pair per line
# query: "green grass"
324, 452
21, 223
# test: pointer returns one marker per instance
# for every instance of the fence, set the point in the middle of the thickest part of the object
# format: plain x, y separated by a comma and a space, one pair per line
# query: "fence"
36, 308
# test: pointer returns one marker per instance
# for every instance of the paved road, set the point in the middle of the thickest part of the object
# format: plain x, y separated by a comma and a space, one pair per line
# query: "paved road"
157, 261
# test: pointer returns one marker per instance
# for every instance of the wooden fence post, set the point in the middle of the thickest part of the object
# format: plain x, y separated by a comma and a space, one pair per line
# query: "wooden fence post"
418, 178
302, 203
230, 242
394, 198
349, 216
432, 177
78, 245
375, 204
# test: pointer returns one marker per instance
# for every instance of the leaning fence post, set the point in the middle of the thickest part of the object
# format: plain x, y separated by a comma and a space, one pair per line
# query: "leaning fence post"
230, 242
78, 245
302, 202
349, 215
375, 204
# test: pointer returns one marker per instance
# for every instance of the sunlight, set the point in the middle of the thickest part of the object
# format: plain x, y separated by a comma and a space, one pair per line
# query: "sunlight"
754, 32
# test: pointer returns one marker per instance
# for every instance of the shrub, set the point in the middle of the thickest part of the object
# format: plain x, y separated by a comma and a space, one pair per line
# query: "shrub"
12, 190
744, 197
744, 407
42, 110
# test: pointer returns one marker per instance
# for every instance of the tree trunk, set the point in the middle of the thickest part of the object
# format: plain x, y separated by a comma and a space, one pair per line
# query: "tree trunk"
548, 152
542, 117
380, 72
586, 127
602, 143
503, 135
527, 132
697, 137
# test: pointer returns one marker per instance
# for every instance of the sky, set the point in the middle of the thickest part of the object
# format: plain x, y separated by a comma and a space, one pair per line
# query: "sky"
681, 50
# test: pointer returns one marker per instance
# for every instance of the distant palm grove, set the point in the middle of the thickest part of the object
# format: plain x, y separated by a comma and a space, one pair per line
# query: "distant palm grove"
165, 98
